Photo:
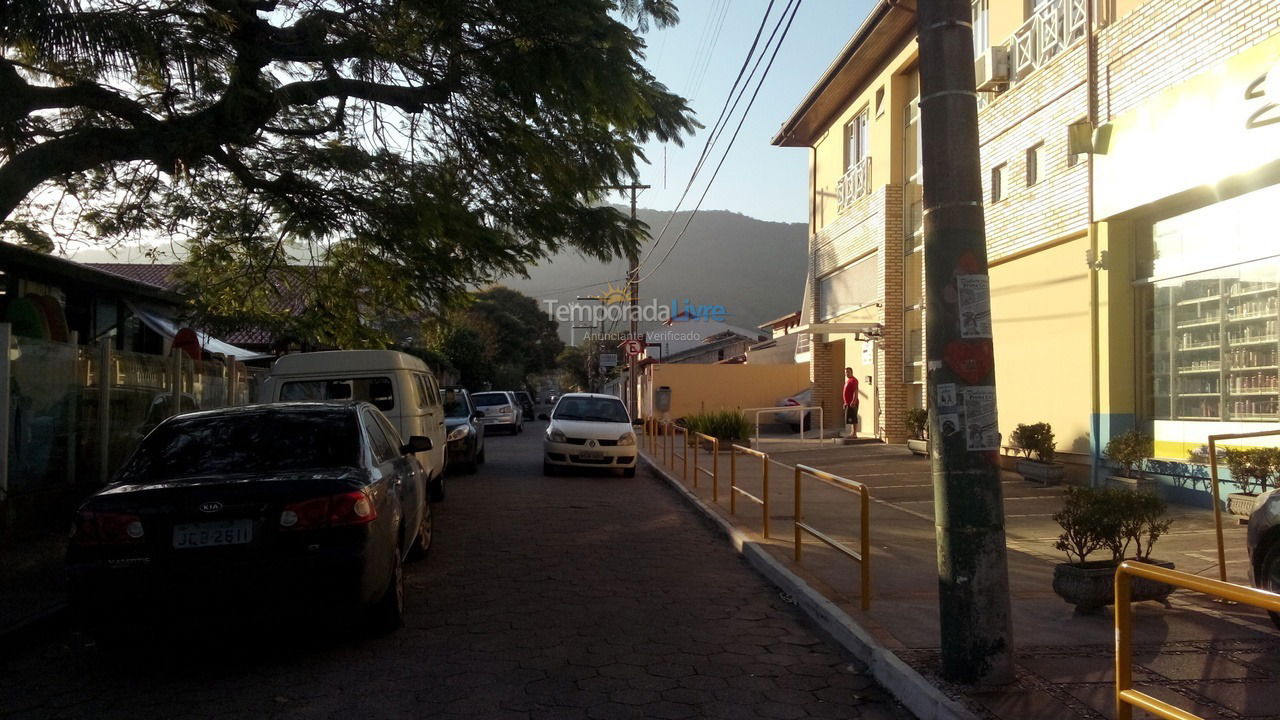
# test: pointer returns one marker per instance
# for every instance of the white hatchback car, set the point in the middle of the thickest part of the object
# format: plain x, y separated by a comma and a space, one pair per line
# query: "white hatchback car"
589, 430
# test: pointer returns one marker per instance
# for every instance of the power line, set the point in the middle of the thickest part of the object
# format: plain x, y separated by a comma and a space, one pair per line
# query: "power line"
714, 133
726, 111
794, 6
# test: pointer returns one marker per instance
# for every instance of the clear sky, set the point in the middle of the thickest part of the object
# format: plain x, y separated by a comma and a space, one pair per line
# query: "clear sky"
698, 59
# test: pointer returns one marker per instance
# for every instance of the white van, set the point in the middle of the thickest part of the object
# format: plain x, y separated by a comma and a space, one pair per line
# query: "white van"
398, 384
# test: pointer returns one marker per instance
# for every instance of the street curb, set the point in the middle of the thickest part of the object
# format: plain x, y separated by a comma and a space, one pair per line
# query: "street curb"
909, 687
18, 638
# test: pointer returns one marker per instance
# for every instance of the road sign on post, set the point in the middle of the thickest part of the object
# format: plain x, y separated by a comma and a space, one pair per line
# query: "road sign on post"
608, 360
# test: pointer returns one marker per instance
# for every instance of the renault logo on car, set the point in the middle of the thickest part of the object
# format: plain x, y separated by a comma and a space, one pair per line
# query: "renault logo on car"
591, 443
210, 507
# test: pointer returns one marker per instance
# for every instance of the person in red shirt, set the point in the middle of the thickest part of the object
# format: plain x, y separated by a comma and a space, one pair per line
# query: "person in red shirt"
851, 402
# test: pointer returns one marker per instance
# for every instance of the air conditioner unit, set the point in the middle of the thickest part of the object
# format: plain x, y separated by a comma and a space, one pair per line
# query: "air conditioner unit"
991, 69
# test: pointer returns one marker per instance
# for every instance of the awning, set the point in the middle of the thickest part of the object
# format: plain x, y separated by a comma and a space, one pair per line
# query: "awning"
165, 324
872, 328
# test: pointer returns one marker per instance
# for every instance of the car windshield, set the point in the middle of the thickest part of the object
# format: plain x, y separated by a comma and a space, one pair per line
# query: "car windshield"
490, 399
592, 410
455, 403
239, 443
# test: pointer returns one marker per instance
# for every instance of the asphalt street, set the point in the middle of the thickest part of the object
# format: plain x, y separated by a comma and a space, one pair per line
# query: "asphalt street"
570, 597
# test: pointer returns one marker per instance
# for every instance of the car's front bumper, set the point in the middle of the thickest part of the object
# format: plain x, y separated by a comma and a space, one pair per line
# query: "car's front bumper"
618, 456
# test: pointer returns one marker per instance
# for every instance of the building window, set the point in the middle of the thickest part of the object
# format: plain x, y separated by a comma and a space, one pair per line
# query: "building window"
997, 183
912, 166
978, 13
1033, 163
856, 180
1212, 315
855, 140
850, 289
913, 316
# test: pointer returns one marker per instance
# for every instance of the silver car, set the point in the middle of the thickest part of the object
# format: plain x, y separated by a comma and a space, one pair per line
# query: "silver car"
499, 410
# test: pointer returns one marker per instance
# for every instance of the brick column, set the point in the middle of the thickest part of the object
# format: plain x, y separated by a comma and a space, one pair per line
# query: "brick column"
895, 394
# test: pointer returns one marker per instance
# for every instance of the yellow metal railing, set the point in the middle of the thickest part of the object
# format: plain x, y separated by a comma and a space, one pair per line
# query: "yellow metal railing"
1217, 504
683, 455
734, 490
863, 554
1126, 697
714, 472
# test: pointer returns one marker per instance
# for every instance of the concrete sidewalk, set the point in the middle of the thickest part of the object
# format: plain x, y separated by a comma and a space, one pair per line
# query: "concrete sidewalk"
1210, 659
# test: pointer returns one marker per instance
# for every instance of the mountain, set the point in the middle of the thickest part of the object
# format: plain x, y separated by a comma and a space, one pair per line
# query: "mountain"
753, 268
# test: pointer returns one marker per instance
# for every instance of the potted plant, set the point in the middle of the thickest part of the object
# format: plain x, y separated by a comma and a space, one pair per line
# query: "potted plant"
1131, 450
1254, 470
917, 422
1037, 439
1115, 520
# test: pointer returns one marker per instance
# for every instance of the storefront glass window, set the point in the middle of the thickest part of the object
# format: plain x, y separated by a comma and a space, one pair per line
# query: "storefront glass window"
1213, 303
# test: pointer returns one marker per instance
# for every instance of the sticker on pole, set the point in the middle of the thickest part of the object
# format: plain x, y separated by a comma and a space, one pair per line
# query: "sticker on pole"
974, 295
946, 395
981, 430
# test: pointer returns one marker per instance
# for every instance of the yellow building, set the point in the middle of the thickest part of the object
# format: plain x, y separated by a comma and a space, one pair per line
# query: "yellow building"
1130, 152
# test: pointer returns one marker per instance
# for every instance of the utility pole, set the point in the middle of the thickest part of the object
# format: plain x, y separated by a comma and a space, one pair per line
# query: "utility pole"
973, 577
633, 299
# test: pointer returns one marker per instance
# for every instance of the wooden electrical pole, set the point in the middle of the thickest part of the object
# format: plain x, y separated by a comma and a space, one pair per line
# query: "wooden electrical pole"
633, 299
973, 578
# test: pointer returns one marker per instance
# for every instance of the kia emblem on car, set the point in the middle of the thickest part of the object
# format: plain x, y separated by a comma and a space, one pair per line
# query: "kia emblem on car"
210, 507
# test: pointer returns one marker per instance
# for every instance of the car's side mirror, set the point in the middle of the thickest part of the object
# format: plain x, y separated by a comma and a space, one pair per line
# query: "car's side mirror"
543, 416
477, 415
637, 422
416, 444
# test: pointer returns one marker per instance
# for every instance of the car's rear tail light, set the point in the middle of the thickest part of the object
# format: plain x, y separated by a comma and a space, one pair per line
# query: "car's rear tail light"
353, 508
104, 528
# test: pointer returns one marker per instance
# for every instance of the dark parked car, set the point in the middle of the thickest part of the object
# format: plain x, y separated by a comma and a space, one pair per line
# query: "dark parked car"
465, 432
1263, 543
254, 510
526, 403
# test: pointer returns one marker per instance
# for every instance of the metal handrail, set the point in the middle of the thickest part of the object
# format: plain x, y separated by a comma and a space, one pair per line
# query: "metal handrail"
714, 472
822, 438
684, 446
1126, 698
1217, 505
863, 554
734, 490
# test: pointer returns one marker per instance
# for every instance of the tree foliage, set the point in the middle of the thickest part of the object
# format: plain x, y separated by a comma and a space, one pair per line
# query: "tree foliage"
414, 147
498, 340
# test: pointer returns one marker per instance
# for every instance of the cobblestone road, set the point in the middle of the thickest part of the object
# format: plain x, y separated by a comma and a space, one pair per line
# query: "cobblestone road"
573, 597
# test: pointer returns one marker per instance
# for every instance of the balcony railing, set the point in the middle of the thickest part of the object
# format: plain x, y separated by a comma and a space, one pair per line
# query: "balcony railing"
855, 183
1053, 28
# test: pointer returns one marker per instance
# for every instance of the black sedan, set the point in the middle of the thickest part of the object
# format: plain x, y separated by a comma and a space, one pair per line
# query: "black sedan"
265, 509
465, 432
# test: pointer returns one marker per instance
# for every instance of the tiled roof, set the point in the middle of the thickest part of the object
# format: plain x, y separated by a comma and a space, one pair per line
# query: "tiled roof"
290, 282
157, 274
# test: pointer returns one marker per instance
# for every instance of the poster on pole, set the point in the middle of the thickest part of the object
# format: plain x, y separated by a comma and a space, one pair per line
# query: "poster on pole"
974, 295
981, 430
608, 360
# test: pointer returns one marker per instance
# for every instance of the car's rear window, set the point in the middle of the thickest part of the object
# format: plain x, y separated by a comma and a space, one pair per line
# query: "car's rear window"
592, 410
263, 442
455, 403
490, 399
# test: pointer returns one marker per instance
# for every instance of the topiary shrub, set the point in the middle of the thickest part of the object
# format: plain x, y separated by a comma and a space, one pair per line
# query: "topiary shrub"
1131, 450
917, 421
1035, 439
